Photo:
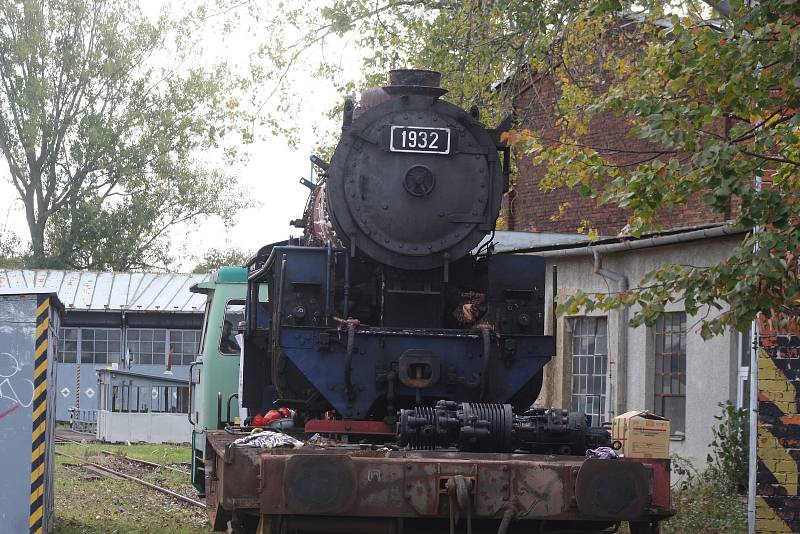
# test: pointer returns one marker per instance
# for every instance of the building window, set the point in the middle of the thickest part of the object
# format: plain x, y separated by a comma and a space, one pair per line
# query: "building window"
589, 367
147, 345
69, 345
90, 345
152, 346
670, 369
183, 346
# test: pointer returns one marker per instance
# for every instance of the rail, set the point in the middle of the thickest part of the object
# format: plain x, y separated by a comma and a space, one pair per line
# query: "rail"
133, 478
60, 440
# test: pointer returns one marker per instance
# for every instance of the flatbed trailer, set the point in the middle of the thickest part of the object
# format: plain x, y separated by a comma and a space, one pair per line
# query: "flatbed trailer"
351, 488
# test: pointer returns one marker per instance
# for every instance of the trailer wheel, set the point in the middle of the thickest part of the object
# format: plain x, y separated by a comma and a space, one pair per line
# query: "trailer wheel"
644, 527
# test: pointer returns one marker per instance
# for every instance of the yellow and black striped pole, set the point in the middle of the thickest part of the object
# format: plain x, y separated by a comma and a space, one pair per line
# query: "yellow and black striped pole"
39, 405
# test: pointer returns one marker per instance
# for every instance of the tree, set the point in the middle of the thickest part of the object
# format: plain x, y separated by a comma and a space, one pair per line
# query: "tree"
216, 258
10, 256
716, 98
102, 144
718, 102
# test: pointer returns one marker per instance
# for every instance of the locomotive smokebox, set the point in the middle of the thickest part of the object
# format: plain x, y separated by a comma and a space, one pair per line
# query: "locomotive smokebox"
415, 182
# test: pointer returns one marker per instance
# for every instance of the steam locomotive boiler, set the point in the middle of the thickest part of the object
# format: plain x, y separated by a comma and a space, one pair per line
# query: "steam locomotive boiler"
382, 306
393, 329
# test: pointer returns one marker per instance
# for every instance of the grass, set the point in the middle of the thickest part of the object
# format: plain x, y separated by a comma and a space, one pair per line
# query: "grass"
163, 454
89, 503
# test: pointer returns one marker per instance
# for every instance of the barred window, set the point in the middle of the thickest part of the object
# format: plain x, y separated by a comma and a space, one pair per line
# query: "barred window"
184, 346
90, 345
670, 369
589, 366
147, 345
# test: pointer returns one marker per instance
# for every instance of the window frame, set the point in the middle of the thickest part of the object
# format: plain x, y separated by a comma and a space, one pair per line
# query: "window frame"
111, 357
658, 395
183, 343
236, 302
602, 403
184, 358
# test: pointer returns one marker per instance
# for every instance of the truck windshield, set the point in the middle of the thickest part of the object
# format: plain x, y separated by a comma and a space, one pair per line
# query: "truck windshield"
234, 314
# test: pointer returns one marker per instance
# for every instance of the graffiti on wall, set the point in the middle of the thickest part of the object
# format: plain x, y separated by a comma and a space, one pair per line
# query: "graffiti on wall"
15, 389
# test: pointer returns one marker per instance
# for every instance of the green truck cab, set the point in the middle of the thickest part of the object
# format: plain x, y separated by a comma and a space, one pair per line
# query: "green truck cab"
214, 376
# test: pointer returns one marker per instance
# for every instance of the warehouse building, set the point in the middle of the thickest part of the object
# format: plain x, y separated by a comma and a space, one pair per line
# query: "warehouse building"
148, 323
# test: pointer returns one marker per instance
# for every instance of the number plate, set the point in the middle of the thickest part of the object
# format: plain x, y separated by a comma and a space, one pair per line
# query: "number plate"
420, 139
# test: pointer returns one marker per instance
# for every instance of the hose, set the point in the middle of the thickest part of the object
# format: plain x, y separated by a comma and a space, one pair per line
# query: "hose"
348, 358
508, 517
487, 351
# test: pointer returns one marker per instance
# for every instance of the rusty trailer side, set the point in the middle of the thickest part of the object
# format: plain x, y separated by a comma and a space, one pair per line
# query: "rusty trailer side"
348, 489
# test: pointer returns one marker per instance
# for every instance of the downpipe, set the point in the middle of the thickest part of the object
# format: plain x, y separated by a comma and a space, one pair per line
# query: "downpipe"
621, 281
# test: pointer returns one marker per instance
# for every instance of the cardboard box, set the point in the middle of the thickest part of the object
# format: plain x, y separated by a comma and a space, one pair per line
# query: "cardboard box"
639, 434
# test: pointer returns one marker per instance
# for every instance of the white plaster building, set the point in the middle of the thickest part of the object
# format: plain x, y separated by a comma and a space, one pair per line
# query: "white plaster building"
667, 368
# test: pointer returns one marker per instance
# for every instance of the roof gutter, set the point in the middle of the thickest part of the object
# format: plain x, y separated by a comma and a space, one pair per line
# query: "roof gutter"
648, 242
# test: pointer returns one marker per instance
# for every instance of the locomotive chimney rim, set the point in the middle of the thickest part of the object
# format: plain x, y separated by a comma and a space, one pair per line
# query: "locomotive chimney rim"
415, 82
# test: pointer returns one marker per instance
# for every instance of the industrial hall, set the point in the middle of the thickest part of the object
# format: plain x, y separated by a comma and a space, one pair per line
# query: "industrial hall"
147, 323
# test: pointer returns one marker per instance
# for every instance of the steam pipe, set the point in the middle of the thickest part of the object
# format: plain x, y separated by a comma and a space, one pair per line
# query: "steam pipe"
622, 283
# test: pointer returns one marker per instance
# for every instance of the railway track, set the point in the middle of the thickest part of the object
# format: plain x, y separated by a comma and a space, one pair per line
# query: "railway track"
101, 469
62, 441
114, 472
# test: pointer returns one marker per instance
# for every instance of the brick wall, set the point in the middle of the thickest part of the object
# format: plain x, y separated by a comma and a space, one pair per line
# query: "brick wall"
531, 209
778, 503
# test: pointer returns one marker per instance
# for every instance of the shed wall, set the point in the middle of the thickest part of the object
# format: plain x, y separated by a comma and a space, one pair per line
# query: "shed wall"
121, 427
711, 366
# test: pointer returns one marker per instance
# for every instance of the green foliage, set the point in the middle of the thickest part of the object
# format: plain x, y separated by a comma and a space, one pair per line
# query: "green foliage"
703, 505
715, 101
216, 258
10, 248
10, 256
103, 145
712, 500
478, 46
728, 461
717, 105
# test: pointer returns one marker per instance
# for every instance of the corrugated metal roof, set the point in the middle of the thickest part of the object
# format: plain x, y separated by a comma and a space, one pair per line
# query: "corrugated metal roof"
93, 291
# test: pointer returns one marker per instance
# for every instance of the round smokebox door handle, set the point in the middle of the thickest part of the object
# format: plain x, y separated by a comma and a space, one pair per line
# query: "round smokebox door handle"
419, 181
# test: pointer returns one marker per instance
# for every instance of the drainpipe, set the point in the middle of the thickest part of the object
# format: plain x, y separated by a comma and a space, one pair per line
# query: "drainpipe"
621, 281
752, 456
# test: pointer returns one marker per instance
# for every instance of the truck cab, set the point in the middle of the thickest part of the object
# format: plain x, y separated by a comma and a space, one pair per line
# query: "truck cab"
214, 375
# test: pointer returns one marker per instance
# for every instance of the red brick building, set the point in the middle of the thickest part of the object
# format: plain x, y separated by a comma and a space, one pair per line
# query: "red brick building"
528, 208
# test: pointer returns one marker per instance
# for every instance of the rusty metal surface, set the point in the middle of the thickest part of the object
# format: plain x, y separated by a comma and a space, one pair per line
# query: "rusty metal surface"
353, 482
613, 489
345, 426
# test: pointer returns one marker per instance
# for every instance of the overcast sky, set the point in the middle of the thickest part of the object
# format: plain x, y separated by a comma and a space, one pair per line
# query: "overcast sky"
270, 176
